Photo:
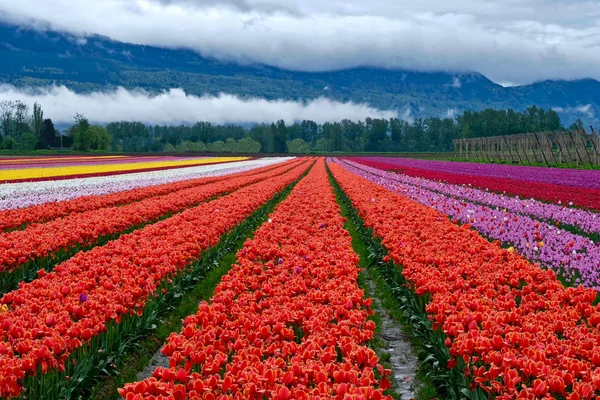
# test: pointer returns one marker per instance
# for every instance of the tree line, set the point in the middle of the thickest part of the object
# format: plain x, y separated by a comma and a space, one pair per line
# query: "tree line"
22, 129
25, 130
370, 135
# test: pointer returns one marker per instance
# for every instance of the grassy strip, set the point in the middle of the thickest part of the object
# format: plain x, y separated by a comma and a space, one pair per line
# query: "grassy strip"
251, 172
426, 390
143, 352
29, 270
186, 304
524, 163
567, 282
404, 306
570, 228
97, 358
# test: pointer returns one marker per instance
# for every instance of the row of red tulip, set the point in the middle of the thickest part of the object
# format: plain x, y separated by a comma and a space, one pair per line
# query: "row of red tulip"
512, 328
45, 321
14, 218
84, 229
289, 320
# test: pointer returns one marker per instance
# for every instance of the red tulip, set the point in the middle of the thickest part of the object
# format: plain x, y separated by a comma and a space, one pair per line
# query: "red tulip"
519, 332
288, 335
76, 301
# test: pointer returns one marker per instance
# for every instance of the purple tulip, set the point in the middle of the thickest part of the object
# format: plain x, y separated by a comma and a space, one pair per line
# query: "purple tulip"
561, 176
573, 256
588, 222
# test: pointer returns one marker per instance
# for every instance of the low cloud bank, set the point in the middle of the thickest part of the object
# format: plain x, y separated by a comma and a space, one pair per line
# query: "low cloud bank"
175, 107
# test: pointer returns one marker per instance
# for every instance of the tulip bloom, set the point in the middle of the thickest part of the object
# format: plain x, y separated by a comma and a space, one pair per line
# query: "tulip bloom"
556, 185
26, 203
56, 172
42, 241
271, 332
49, 318
515, 329
574, 256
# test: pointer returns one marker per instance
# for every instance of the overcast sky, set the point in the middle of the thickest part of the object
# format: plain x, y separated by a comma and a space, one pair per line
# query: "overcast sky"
509, 41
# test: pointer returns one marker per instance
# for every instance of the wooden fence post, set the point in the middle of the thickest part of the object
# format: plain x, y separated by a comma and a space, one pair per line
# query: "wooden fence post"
595, 146
576, 149
551, 147
583, 138
520, 140
541, 149
567, 155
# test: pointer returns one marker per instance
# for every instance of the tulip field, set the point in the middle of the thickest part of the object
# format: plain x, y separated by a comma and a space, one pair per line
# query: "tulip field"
496, 270
54, 168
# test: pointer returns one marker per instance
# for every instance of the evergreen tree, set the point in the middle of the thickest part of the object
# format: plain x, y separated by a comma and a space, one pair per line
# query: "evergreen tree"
47, 136
37, 120
280, 136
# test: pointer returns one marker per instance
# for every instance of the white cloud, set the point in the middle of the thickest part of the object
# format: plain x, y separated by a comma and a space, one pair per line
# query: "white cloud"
176, 107
451, 113
507, 84
516, 41
456, 83
407, 115
587, 110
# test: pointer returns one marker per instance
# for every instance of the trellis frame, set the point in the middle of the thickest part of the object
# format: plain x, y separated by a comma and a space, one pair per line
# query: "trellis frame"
574, 148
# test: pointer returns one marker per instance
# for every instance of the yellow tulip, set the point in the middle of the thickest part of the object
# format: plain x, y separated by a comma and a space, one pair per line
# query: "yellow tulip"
39, 172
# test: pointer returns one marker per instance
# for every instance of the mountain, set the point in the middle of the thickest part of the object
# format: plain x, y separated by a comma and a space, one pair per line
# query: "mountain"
32, 58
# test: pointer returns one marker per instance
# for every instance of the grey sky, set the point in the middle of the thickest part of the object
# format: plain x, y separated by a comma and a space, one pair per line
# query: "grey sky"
510, 41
